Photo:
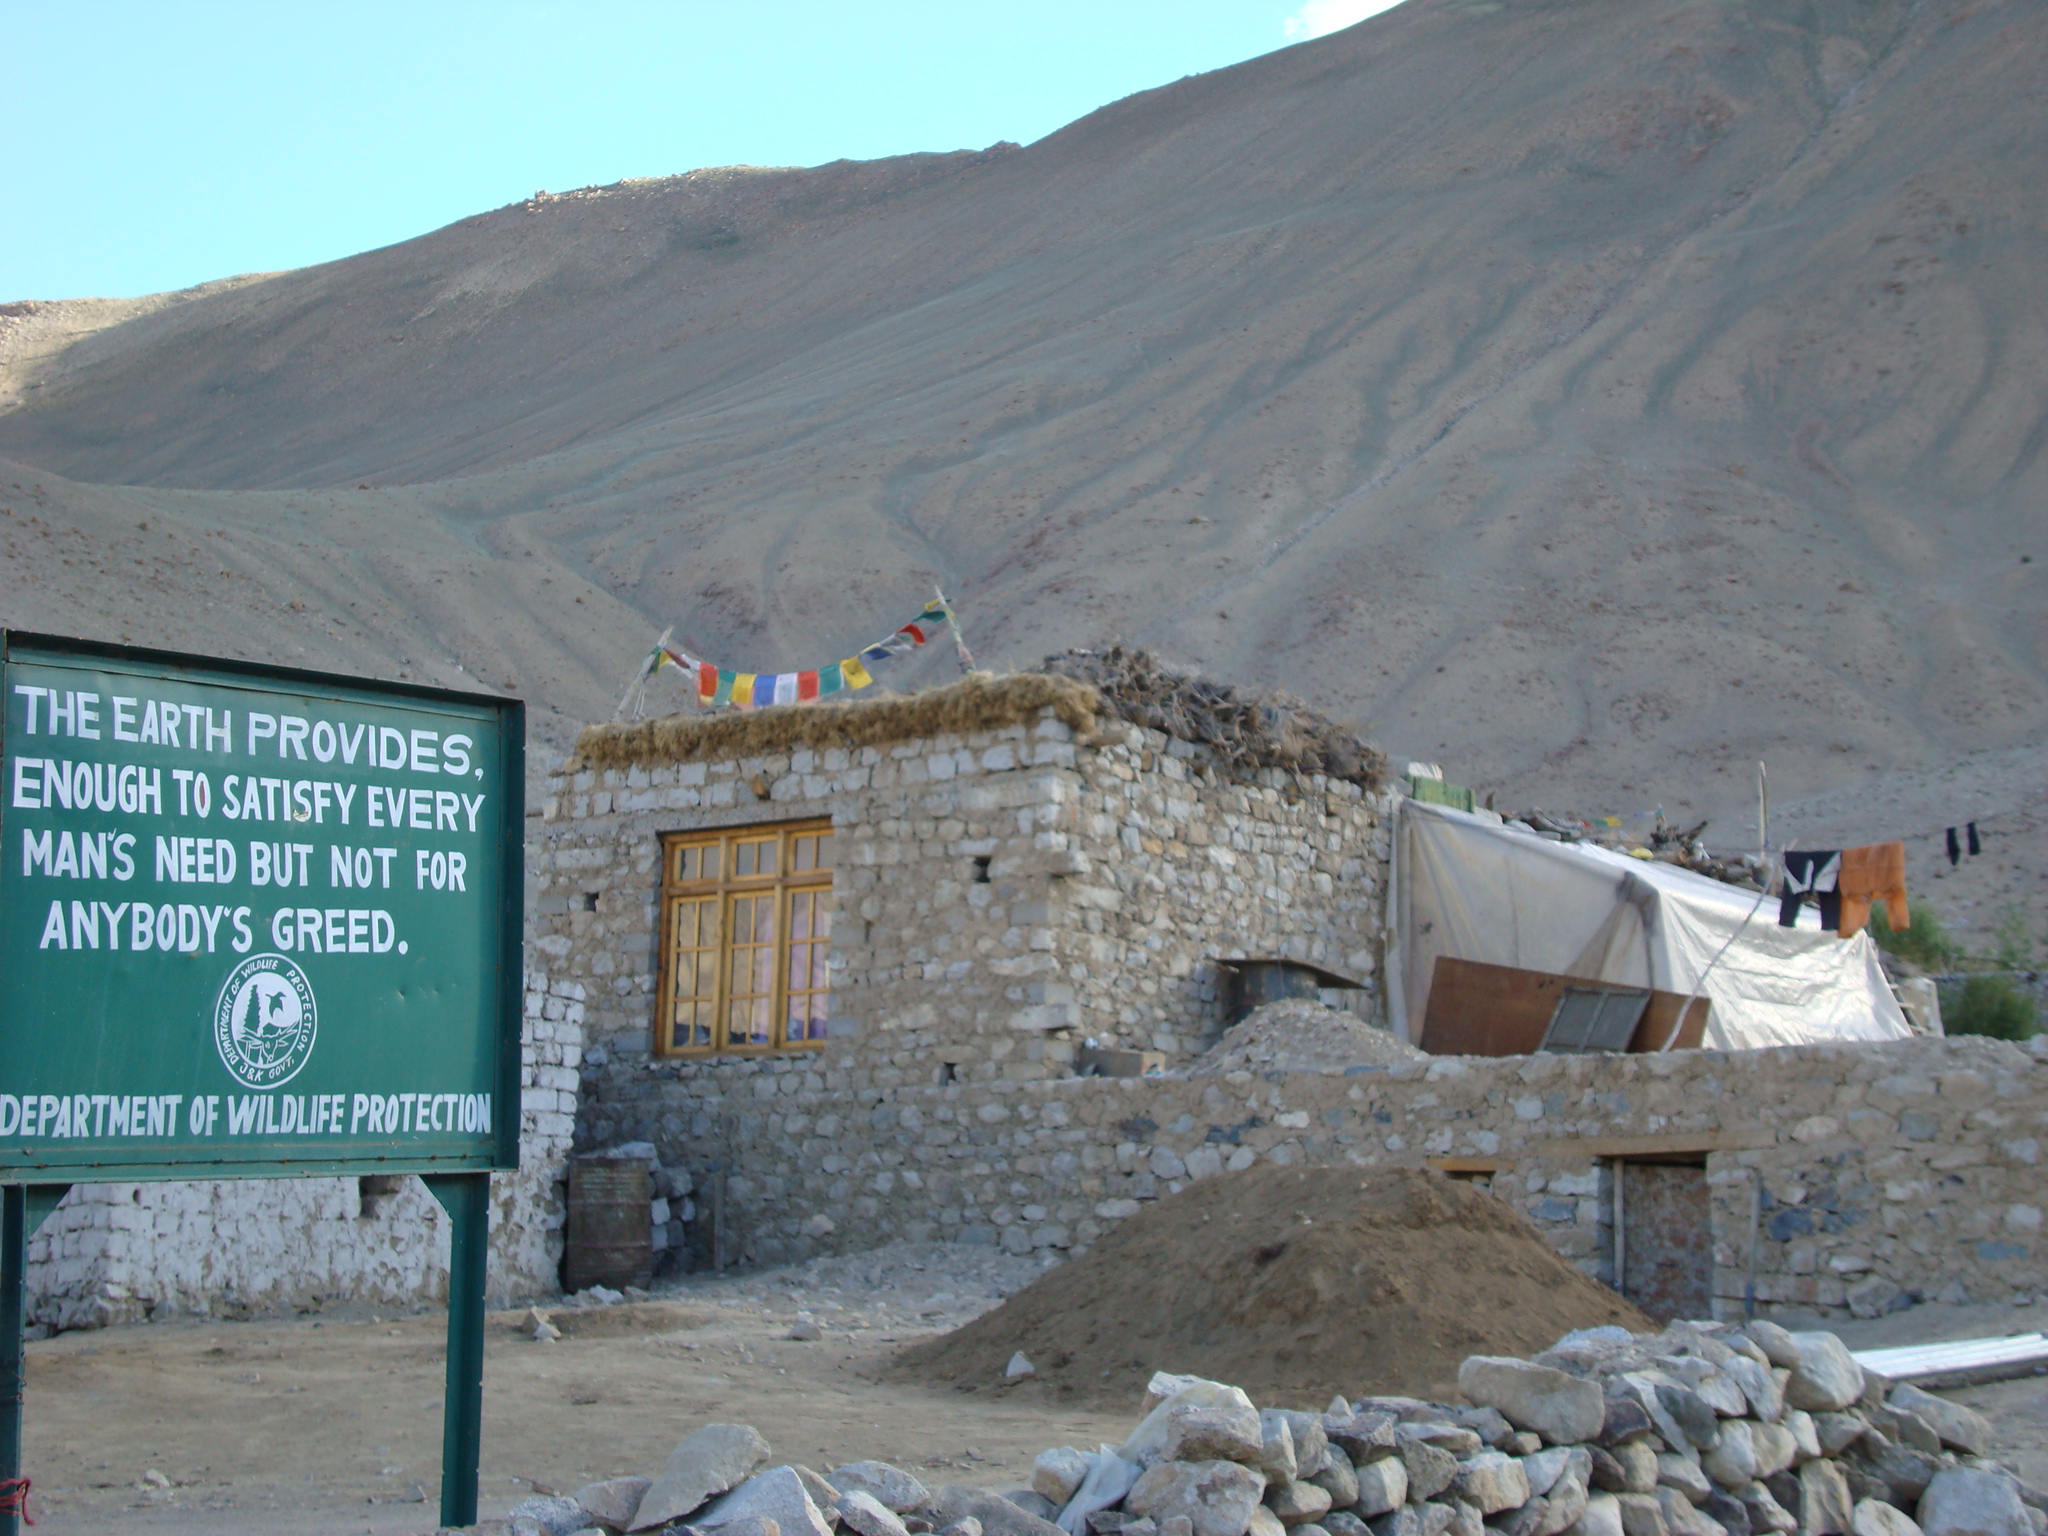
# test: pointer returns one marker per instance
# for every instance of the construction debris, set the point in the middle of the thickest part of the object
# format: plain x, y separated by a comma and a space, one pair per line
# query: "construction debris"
1703, 1429
1301, 1035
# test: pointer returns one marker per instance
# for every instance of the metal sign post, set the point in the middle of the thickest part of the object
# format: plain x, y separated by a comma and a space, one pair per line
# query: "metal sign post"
255, 923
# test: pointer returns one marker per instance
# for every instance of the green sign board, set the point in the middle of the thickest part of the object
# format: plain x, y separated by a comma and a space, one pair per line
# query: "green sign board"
253, 922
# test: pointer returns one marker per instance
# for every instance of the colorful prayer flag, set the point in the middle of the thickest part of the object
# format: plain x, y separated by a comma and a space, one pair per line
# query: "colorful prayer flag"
719, 687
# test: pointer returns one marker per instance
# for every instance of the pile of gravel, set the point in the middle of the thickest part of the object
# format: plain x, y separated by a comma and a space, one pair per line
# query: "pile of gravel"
1297, 1035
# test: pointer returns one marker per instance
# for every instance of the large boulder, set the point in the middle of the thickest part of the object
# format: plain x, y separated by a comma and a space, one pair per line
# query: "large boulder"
1693, 1414
1966, 1502
1777, 1344
1759, 1387
1641, 1515
895, 1489
865, 1515
613, 1502
1563, 1409
1058, 1472
1311, 1439
550, 1514
1492, 1481
996, 1515
778, 1494
1765, 1512
1224, 1432
1430, 1470
1959, 1428
1825, 1376
1297, 1503
1825, 1506
1445, 1436
1682, 1517
1383, 1486
1774, 1447
702, 1466
1733, 1461
1674, 1471
1148, 1440
1217, 1497
1638, 1467
1339, 1479
1601, 1517
1363, 1437
1874, 1517
1623, 1420
1546, 1467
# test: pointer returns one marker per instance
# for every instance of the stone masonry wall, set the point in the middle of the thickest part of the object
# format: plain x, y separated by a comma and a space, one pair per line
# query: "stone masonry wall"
999, 897
123, 1252
1876, 1172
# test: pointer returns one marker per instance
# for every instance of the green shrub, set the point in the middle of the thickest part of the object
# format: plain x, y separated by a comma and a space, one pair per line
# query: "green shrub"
2013, 946
1992, 1005
1925, 942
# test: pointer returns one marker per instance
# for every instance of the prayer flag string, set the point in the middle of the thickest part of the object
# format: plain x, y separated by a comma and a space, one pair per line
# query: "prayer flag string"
728, 687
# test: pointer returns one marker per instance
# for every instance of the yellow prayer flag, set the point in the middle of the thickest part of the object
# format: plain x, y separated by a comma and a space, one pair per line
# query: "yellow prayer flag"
743, 690
855, 674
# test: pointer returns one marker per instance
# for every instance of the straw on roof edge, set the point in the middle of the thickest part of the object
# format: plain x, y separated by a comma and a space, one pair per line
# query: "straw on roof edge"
980, 701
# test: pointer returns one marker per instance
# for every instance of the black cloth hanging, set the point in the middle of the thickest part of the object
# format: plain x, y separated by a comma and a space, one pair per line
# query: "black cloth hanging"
1811, 874
1975, 846
1955, 848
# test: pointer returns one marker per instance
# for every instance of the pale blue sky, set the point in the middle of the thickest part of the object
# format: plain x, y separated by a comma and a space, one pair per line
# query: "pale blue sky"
152, 146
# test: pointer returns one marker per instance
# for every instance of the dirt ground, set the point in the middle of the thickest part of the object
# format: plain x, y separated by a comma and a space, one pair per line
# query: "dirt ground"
331, 1424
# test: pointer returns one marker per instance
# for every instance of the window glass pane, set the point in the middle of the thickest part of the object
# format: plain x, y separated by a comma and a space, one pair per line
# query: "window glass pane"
692, 1027
767, 855
806, 967
824, 850
751, 972
803, 853
743, 861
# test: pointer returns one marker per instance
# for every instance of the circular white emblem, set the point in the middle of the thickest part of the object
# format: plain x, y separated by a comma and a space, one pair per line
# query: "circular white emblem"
263, 1021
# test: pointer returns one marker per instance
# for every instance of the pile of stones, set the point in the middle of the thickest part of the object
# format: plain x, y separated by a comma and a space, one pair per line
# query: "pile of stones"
1701, 1430
1302, 1035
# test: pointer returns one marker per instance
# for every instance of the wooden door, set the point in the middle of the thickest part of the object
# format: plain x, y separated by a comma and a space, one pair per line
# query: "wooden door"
1667, 1239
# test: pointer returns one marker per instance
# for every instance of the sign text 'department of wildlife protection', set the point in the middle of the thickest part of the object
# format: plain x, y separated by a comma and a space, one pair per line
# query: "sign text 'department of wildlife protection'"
253, 921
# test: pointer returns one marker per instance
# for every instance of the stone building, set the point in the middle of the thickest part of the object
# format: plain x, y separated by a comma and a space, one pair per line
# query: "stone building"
970, 886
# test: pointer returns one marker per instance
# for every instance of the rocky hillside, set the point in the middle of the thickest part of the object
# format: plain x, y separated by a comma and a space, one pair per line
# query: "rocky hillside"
1598, 395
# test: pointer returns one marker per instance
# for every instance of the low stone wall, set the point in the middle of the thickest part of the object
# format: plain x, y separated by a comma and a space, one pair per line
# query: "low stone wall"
125, 1252
1855, 1174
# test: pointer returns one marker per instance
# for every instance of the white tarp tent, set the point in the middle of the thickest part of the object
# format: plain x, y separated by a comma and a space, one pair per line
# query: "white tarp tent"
1468, 888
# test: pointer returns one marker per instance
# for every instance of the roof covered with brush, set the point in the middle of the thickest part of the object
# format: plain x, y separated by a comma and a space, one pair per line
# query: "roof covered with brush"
1237, 734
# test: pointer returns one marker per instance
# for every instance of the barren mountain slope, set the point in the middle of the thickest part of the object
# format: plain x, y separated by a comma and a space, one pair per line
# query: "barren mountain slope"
1599, 395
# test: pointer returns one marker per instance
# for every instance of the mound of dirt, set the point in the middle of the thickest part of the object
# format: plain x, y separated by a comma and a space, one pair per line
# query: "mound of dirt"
1299, 1035
1293, 1283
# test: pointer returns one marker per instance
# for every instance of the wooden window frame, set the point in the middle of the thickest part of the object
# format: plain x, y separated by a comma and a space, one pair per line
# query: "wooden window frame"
723, 891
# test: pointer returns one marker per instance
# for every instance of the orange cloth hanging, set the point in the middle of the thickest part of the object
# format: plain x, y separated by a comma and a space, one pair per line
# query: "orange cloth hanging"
1875, 872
